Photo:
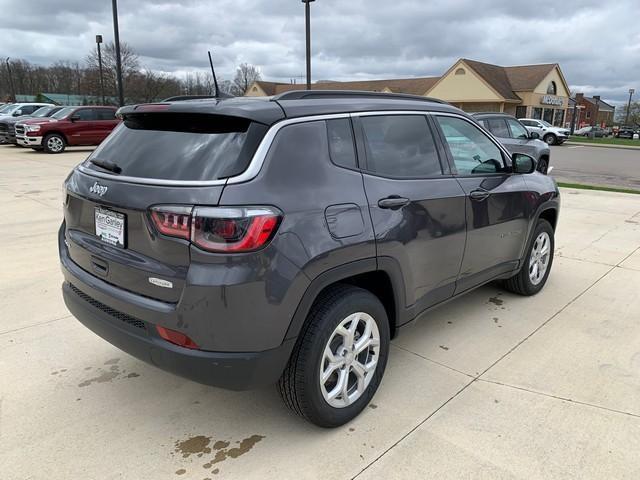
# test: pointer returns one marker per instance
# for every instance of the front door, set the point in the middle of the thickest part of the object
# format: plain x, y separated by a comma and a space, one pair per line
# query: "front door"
416, 205
85, 129
496, 202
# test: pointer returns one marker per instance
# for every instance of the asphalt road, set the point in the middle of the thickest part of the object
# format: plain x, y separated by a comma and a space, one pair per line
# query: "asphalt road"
596, 165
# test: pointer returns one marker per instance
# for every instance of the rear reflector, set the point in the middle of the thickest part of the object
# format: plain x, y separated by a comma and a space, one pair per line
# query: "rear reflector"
176, 338
219, 229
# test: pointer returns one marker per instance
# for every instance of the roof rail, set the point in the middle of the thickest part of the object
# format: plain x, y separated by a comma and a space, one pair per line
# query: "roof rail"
180, 98
312, 94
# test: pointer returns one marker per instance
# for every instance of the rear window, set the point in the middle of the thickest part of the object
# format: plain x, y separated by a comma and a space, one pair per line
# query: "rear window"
182, 147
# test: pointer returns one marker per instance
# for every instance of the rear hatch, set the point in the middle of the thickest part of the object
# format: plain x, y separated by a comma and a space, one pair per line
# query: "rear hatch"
151, 160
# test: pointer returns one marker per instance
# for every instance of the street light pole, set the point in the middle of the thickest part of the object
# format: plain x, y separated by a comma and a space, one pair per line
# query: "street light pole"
13, 90
98, 42
595, 117
626, 120
307, 17
116, 40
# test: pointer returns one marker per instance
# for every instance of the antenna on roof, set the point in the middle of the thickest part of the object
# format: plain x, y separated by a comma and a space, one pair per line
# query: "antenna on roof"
218, 94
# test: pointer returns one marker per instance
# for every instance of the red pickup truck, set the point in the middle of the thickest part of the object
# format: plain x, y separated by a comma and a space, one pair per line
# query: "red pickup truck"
70, 126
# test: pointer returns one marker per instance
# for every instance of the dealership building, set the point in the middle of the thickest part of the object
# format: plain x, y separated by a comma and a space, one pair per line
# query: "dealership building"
532, 91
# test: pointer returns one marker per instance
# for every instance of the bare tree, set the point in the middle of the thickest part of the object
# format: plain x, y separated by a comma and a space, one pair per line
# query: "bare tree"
130, 67
634, 114
246, 74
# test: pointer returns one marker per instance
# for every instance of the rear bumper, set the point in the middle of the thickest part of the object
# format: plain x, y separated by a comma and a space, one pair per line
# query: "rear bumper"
26, 141
84, 295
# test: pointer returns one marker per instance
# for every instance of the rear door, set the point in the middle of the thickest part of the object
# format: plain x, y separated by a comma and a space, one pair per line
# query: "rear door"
497, 204
105, 123
172, 160
416, 205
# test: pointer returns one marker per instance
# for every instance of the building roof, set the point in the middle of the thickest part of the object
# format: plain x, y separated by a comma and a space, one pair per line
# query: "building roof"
413, 86
602, 105
495, 76
527, 77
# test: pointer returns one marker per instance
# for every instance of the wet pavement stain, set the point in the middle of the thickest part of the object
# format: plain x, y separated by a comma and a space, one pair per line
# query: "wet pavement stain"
133, 375
113, 361
352, 429
495, 319
182, 471
193, 446
443, 347
373, 406
496, 301
104, 376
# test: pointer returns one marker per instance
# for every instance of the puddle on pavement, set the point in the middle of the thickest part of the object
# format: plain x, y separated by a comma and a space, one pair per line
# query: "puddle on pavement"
201, 445
101, 374
496, 301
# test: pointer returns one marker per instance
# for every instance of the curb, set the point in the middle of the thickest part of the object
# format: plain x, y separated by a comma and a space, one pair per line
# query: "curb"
603, 145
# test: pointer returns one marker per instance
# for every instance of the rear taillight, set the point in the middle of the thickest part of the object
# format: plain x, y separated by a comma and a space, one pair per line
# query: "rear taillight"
219, 229
174, 221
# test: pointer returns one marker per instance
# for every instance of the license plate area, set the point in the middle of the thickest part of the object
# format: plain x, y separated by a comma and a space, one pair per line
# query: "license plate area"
110, 227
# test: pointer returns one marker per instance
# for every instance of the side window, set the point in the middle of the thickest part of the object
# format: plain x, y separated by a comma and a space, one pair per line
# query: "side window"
517, 130
400, 146
29, 109
472, 151
529, 123
341, 147
85, 114
105, 114
498, 127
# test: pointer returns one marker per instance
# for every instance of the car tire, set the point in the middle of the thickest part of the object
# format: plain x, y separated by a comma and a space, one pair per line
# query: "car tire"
550, 139
54, 143
542, 165
301, 385
530, 279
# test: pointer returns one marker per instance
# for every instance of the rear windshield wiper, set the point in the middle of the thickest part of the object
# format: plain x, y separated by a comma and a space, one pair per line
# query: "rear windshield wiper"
106, 164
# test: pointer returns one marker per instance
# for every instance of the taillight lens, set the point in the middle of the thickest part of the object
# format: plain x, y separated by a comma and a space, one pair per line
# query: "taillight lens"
174, 221
219, 229
233, 230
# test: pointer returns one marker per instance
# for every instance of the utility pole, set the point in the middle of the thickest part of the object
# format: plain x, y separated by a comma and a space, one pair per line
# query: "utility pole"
307, 18
13, 90
595, 117
98, 42
116, 40
626, 120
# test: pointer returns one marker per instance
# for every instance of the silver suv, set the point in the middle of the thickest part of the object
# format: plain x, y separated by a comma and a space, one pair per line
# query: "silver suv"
550, 134
516, 138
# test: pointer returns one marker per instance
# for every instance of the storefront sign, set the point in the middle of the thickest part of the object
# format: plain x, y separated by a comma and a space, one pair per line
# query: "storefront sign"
551, 100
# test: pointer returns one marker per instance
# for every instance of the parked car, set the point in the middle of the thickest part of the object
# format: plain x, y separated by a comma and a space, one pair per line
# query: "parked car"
626, 132
7, 126
242, 242
513, 135
590, 132
71, 126
547, 132
13, 110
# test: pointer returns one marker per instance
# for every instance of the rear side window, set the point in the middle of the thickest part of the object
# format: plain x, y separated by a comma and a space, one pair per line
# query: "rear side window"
85, 114
181, 147
517, 130
105, 114
341, 147
498, 127
400, 146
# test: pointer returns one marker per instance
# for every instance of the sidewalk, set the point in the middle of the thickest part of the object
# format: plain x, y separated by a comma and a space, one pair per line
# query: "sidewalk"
605, 145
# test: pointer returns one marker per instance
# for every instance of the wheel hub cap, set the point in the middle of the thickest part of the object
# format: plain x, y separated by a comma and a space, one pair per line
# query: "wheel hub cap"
539, 258
349, 360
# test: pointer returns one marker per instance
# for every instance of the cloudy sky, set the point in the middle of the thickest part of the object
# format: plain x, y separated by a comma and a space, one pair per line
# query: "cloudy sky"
596, 43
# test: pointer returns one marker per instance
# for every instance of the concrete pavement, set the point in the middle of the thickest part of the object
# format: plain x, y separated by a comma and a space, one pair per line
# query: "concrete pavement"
489, 386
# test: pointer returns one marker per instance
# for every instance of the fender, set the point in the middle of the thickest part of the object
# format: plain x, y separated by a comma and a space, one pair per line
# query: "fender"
551, 204
334, 275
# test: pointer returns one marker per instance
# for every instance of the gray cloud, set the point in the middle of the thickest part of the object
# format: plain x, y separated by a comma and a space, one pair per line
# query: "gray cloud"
596, 43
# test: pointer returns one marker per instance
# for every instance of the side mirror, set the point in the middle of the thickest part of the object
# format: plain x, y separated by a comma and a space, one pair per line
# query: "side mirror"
534, 135
523, 163
17, 113
75, 117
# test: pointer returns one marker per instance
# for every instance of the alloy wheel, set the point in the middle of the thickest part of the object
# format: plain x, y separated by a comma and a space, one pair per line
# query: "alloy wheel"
539, 259
349, 360
55, 144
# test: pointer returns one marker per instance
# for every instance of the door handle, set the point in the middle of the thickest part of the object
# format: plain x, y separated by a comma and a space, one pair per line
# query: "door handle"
393, 202
479, 195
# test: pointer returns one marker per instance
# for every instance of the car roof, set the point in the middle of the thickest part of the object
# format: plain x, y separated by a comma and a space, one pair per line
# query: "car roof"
491, 114
269, 110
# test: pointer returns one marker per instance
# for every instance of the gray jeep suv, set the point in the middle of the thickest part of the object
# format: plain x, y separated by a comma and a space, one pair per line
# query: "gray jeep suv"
249, 241
516, 137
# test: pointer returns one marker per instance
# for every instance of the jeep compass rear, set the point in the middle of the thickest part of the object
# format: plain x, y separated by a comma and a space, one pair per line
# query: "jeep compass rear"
244, 242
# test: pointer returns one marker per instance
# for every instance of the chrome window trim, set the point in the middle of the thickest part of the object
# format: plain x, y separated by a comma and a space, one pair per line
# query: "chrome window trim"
255, 165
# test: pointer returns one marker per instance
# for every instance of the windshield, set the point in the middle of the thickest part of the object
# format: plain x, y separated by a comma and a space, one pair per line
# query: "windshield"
42, 112
63, 113
184, 147
5, 108
546, 124
9, 109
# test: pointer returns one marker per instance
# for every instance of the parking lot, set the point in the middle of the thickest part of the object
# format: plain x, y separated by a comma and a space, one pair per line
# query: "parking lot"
489, 386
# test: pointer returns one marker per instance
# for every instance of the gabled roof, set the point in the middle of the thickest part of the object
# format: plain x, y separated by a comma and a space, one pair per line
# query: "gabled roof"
495, 76
527, 77
413, 86
602, 105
